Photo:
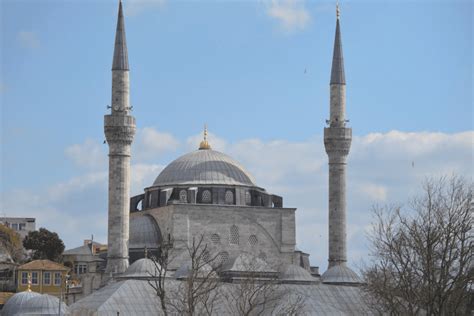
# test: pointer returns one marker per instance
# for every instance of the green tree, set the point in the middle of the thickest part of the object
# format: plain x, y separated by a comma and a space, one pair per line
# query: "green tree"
11, 242
45, 244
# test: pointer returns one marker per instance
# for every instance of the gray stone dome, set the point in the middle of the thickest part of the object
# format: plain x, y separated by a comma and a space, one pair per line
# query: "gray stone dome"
204, 166
142, 268
144, 232
44, 305
296, 274
16, 304
340, 274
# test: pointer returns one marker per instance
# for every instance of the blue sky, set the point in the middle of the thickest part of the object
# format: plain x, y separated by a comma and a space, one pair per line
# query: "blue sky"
238, 66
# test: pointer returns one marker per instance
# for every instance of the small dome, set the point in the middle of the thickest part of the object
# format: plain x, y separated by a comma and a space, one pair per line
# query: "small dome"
44, 305
293, 273
142, 268
340, 274
205, 166
16, 304
144, 232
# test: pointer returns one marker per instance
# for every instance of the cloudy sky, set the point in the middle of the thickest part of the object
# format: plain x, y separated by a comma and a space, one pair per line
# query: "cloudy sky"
257, 73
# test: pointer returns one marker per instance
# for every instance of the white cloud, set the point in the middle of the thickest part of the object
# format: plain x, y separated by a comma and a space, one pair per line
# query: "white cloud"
151, 144
28, 39
291, 14
90, 154
135, 7
380, 170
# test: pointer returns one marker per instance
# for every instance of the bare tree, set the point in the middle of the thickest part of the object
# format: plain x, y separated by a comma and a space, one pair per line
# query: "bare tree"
422, 259
255, 292
197, 294
158, 278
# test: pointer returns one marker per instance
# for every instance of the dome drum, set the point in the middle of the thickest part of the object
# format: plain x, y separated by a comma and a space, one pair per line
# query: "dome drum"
221, 195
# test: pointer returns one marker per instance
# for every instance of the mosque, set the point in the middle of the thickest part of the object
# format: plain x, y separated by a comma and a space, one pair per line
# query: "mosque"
207, 194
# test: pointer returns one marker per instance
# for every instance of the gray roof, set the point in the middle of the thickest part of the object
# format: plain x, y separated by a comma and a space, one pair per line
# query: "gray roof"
137, 297
341, 274
144, 232
120, 61
337, 70
17, 302
44, 305
204, 166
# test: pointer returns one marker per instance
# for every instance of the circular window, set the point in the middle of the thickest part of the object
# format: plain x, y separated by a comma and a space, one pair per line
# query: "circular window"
248, 199
234, 235
253, 240
229, 197
206, 196
215, 238
183, 196
222, 257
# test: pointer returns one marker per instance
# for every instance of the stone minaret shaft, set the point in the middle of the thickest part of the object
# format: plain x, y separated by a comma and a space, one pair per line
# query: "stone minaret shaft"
337, 141
119, 128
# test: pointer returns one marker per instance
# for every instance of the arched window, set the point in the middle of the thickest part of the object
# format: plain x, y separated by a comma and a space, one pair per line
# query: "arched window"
253, 240
183, 196
215, 238
229, 197
248, 199
234, 235
206, 196
222, 257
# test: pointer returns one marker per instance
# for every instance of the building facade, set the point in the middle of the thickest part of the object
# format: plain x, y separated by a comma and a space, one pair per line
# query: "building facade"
46, 277
21, 225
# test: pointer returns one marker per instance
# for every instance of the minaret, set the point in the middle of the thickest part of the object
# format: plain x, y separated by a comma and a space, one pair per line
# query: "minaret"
119, 128
337, 141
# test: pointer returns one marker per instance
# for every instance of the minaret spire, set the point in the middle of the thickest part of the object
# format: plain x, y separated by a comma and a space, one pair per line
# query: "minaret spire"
337, 70
119, 128
120, 61
337, 141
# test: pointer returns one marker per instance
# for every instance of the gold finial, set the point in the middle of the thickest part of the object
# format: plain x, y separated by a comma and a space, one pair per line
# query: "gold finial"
338, 10
205, 144
29, 282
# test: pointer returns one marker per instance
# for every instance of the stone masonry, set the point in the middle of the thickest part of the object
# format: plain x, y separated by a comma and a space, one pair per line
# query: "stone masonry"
337, 141
119, 128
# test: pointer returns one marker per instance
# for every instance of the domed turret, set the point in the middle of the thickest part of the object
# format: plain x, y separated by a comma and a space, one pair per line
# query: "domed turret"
17, 303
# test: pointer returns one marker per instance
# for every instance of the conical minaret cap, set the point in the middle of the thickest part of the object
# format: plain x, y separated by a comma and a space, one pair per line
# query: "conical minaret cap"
337, 70
120, 52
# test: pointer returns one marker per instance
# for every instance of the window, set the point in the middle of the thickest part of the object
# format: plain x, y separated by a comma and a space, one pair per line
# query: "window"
206, 196
57, 278
215, 238
183, 196
253, 240
222, 257
234, 235
15, 226
34, 278
47, 278
22, 226
229, 197
248, 199
80, 268
24, 278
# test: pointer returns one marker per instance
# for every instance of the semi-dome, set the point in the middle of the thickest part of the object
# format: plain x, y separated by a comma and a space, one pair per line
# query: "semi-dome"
340, 274
204, 166
17, 303
144, 232
142, 269
295, 274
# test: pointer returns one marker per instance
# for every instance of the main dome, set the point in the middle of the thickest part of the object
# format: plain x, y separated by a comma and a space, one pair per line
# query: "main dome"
204, 166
